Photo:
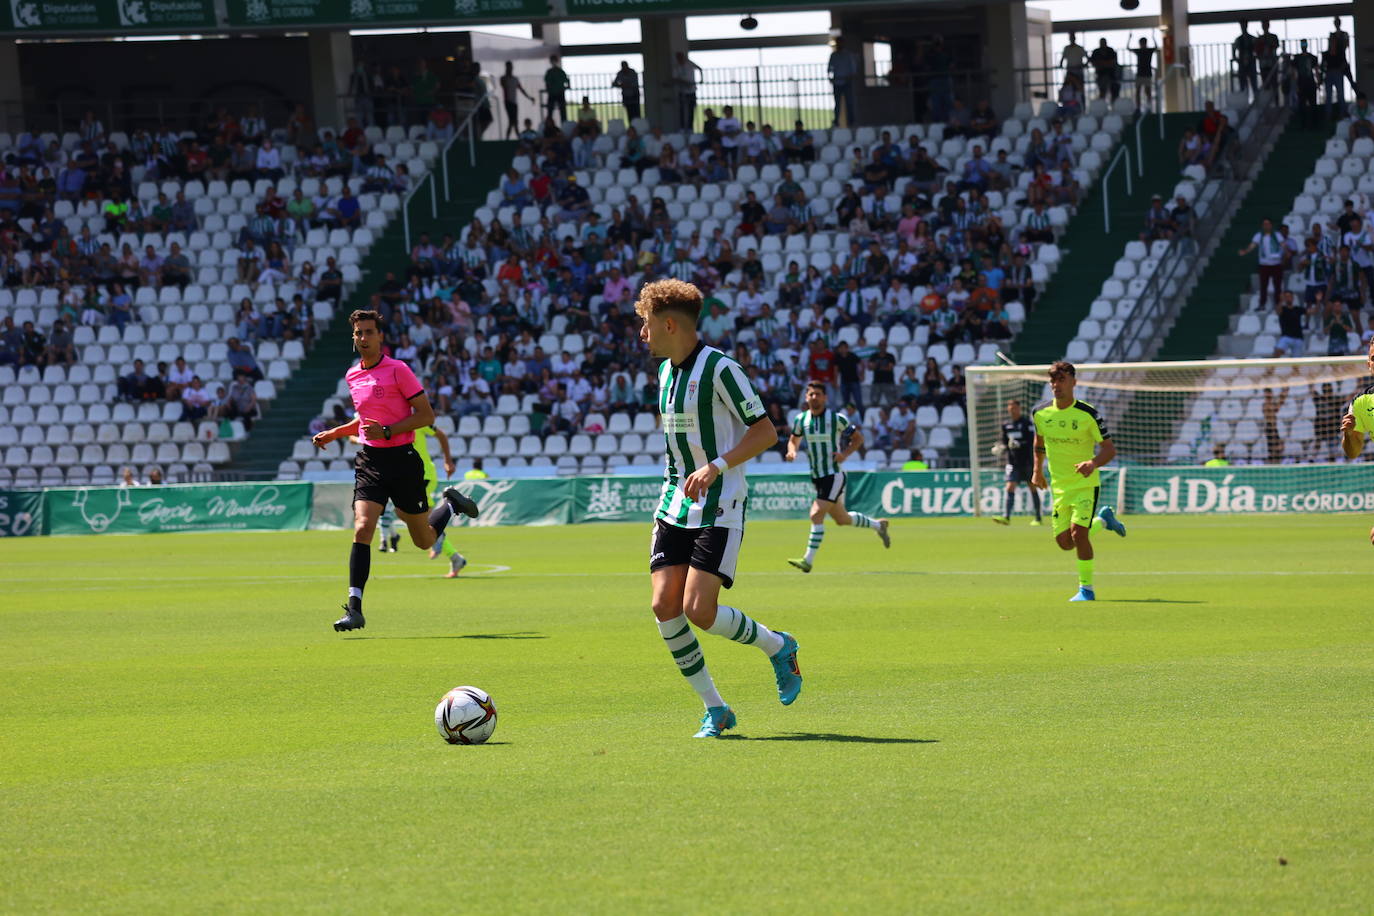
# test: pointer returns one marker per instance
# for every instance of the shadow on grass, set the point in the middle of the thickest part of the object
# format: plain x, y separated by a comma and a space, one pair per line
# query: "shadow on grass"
523, 635
828, 736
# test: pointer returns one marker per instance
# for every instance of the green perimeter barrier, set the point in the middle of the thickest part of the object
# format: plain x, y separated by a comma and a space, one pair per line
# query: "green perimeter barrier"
191, 507
21, 513
568, 500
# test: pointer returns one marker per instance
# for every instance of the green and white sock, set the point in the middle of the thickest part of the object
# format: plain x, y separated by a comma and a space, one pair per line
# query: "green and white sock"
1085, 573
734, 624
813, 543
682, 642
860, 520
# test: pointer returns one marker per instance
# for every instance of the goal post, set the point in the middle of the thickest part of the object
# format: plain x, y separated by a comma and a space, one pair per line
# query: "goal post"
1274, 422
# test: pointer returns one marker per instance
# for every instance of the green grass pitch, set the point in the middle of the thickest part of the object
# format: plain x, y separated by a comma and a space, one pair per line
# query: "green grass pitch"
184, 732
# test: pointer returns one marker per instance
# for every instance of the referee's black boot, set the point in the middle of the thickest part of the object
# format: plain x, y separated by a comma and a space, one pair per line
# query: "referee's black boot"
461, 503
353, 616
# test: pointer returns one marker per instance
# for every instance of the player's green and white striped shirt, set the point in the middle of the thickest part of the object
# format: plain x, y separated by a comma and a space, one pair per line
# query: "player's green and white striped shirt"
821, 433
706, 404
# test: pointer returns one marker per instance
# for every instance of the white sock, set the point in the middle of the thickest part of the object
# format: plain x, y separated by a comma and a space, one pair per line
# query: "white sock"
734, 624
860, 520
682, 642
354, 592
813, 543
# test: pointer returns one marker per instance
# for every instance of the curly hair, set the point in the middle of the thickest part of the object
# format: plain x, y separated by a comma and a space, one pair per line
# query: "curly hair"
1063, 367
676, 296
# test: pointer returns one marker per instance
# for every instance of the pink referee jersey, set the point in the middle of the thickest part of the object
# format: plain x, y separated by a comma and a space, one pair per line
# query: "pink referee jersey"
382, 395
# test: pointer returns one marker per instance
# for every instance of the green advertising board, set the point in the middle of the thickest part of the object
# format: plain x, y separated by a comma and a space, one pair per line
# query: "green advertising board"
362, 13
21, 513
1250, 489
118, 16
194, 507
642, 7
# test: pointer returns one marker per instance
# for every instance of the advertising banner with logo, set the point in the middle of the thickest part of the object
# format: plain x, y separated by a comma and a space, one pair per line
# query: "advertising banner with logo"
361, 13
104, 15
21, 513
142, 510
1258, 488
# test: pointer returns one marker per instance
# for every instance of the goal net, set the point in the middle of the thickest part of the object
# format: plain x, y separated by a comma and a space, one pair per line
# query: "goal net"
1275, 423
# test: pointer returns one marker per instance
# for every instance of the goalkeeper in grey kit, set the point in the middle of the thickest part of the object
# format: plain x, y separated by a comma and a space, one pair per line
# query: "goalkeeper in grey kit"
1017, 447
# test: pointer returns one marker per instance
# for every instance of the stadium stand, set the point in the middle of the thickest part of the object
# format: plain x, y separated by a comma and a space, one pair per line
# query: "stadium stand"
773, 227
123, 254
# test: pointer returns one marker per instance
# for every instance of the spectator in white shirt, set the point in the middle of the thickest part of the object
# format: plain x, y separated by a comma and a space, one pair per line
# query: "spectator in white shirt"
729, 128
268, 162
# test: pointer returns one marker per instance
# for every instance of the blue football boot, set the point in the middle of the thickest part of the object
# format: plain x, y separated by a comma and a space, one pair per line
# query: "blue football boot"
786, 670
716, 721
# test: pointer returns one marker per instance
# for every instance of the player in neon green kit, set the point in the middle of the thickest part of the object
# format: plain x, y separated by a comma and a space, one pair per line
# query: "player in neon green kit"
443, 545
1358, 423
1074, 437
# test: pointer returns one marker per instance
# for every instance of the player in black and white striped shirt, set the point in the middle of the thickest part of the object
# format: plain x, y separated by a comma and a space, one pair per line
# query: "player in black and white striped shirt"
823, 431
713, 423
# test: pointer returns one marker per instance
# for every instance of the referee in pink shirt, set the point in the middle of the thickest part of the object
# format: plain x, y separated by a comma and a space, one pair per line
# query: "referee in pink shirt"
389, 404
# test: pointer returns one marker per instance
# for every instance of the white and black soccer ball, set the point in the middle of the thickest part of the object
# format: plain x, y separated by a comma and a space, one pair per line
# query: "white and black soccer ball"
466, 715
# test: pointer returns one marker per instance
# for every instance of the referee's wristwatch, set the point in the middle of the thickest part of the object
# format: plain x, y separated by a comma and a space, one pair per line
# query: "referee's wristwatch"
386, 433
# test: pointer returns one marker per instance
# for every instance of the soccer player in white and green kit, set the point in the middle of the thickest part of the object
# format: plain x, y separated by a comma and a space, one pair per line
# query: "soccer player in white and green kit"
1074, 437
713, 423
1358, 423
822, 429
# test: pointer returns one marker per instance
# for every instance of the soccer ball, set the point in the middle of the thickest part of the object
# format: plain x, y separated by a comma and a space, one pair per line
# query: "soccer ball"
466, 715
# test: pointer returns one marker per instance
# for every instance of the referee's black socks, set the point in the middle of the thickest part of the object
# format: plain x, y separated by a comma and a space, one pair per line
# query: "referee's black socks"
440, 516
359, 568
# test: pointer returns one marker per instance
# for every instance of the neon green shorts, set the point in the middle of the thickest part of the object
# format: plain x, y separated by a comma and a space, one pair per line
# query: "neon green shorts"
1076, 507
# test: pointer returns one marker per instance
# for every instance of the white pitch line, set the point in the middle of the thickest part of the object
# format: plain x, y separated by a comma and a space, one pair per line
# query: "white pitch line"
495, 570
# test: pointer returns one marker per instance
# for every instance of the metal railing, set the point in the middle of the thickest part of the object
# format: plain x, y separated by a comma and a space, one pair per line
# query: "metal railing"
466, 130
1144, 326
1122, 152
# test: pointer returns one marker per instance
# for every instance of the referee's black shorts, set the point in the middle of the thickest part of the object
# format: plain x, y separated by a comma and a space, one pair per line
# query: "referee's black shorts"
395, 473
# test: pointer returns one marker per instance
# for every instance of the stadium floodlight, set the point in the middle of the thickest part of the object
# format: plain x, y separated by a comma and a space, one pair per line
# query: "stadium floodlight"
749, 23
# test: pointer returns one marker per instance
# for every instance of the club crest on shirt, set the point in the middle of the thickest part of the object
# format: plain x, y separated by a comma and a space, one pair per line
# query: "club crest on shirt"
691, 389
378, 391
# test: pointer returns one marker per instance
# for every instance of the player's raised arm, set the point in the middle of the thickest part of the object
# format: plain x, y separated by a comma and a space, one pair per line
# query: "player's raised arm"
326, 436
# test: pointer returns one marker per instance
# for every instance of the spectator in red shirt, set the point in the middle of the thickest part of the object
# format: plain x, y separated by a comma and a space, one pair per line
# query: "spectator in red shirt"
820, 365
540, 186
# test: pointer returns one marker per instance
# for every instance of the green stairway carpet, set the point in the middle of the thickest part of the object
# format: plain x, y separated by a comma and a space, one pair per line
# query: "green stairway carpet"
1090, 254
315, 379
1216, 297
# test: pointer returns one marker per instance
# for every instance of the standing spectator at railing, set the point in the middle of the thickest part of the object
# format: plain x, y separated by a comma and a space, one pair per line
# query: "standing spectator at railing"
844, 72
1144, 72
685, 82
1073, 58
424, 89
511, 90
1306, 74
627, 81
1266, 47
556, 86
1336, 70
1271, 254
1106, 68
1243, 58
